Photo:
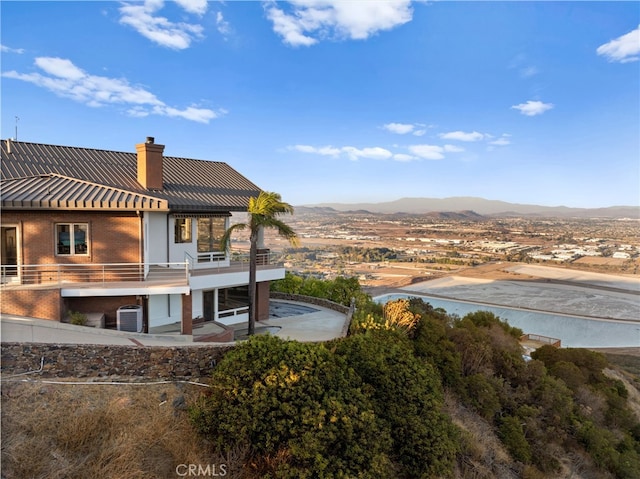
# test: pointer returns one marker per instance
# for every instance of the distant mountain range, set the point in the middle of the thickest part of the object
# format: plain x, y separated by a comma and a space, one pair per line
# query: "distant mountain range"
466, 206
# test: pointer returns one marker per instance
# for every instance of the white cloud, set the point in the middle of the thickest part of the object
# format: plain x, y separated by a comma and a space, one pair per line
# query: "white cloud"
200, 115
462, 136
65, 79
309, 21
351, 152
404, 157
222, 25
428, 152
289, 28
399, 128
528, 72
416, 129
502, 141
374, 153
60, 67
453, 149
623, 49
197, 7
324, 150
160, 30
6, 49
533, 108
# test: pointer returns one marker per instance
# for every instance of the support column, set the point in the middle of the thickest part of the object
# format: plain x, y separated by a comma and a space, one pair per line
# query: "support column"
187, 317
262, 301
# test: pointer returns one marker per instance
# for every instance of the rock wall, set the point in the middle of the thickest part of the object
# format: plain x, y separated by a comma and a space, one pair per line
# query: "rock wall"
99, 361
106, 361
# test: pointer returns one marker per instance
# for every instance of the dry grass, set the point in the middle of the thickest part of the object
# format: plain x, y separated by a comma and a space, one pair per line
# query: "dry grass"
483, 455
107, 431
125, 431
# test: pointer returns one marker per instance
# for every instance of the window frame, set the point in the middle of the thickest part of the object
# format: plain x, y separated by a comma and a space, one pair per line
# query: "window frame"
210, 240
73, 244
180, 226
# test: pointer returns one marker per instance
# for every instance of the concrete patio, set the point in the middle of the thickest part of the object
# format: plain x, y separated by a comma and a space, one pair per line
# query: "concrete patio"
315, 324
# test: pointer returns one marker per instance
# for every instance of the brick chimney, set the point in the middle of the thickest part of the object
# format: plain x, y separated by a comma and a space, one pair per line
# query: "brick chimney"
150, 164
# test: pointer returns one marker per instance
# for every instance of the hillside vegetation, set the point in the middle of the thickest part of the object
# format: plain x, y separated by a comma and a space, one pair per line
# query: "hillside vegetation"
412, 392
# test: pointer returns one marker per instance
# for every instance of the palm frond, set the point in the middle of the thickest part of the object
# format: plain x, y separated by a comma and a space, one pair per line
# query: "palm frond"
269, 204
225, 240
283, 230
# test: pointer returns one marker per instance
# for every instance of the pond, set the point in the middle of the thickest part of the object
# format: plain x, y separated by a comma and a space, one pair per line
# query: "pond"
573, 331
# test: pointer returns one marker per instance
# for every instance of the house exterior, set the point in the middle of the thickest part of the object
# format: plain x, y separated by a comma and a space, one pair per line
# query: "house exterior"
105, 232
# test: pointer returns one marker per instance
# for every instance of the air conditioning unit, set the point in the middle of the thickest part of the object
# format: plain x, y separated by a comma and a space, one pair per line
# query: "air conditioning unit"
130, 318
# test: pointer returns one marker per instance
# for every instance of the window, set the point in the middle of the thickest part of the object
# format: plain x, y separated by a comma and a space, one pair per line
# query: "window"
210, 231
182, 230
72, 238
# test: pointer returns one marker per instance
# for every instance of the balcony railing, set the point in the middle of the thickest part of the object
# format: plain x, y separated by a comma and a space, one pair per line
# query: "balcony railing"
52, 274
233, 263
150, 273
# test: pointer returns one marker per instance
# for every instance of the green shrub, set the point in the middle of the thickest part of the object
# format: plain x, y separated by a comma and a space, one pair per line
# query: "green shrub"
77, 318
340, 290
512, 436
487, 319
407, 396
432, 343
600, 443
480, 393
591, 363
568, 372
296, 401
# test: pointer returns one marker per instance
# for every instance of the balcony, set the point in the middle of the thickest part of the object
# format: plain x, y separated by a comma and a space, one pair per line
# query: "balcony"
111, 279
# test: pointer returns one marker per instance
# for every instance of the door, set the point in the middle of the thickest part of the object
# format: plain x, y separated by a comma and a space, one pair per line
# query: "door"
9, 253
208, 305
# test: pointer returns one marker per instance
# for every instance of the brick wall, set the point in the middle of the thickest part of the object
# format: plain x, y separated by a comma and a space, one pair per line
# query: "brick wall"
47, 304
113, 236
101, 304
262, 300
36, 303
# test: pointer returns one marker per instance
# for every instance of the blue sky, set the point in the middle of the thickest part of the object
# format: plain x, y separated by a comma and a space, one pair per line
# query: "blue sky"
344, 101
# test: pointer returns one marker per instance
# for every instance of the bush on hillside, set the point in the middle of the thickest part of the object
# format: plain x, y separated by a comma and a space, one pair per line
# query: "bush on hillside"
360, 406
407, 396
301, 410
512, 435
287, 400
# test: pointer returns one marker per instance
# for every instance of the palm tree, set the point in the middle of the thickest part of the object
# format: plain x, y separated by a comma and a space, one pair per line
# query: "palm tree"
263, 213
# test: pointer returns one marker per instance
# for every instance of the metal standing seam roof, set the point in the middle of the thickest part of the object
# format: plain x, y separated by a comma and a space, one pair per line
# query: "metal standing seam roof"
189, 184
60, 192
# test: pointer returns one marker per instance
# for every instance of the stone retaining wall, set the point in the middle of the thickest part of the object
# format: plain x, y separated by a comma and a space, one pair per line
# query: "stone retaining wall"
149, 362
87, 361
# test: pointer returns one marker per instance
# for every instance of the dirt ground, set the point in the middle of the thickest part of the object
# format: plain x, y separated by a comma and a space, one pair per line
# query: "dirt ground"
622, 351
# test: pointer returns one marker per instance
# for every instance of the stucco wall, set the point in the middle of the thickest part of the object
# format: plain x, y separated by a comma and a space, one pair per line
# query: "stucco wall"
156, 238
